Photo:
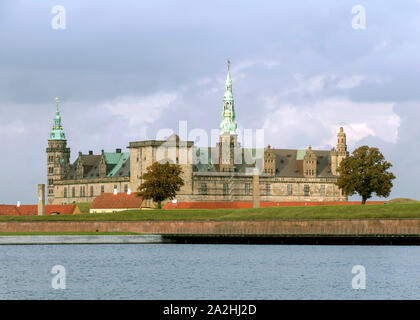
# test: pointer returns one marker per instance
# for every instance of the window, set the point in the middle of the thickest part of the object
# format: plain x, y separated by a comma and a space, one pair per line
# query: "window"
267, 189
65, 192
225, 189
50, 170
81, 191
73, 192
247, 189
306, 189
289, 189
322, 190
50, 181
204, 188
126, 188
91, 191
102, 188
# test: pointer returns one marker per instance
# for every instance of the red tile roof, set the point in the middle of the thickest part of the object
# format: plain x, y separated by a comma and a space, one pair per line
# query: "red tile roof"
120, 200
32, 210
208, 205
9, 210
244, 205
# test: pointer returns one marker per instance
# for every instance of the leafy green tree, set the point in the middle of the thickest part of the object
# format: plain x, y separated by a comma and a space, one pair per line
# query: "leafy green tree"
161, 181
365, 172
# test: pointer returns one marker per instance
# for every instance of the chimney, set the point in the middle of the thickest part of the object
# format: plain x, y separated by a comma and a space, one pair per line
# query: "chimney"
118, 150
41, 199
18, 204
90, 152
129, 191
115, 191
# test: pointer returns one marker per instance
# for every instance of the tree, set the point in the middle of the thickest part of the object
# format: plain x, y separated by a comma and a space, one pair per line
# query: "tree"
365, 172
161, 181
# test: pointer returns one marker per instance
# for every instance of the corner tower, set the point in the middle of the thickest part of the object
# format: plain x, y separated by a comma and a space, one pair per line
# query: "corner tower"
58, 155
340, 152
228, 141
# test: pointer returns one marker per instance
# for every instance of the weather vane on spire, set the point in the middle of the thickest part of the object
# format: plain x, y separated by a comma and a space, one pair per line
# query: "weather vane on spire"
228, 64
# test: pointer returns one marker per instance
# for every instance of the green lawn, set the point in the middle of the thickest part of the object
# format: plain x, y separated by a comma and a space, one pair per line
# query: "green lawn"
84, 207
403, 200
67, 233
398, 210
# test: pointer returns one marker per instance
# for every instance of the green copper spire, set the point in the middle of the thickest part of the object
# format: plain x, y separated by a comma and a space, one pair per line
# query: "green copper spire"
228, 123
57, 132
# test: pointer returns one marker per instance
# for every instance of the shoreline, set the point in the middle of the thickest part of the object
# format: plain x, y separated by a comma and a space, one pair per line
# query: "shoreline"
302, 239
79, 239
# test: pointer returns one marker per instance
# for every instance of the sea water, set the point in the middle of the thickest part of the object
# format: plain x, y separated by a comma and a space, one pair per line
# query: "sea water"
194, 271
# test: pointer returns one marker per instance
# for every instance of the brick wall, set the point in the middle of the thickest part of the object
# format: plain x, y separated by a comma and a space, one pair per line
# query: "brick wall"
289, 227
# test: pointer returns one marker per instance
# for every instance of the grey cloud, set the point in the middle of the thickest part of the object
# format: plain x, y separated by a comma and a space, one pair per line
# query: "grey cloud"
138, 48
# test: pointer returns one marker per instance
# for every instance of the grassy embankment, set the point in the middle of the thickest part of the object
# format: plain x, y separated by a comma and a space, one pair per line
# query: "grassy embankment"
84, 207
67, 233
403, 200
390, 210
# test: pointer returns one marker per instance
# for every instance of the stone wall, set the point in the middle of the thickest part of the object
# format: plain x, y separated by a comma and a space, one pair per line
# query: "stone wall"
89, 185
144, 154
271, 188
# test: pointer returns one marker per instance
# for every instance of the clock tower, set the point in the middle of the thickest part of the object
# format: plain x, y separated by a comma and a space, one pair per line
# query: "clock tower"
58, 155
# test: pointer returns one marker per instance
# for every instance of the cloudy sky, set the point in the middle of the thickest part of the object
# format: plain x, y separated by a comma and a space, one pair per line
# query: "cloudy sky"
126, 69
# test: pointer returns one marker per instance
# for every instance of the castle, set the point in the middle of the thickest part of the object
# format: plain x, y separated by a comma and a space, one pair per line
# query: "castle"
220, 173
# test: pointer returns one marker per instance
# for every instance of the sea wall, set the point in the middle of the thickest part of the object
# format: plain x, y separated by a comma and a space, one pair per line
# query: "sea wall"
266, 227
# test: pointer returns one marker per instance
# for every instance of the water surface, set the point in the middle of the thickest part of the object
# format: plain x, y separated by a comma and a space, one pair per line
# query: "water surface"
173, 271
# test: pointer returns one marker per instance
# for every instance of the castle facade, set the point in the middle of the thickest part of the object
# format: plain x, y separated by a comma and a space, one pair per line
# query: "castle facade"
221, 173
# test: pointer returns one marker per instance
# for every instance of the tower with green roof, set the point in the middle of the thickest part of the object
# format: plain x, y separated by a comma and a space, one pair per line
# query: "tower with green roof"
58, 155
228, 142
228, 124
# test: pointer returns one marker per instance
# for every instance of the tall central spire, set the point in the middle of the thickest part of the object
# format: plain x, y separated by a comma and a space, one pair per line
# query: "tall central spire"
228, 123
57, 132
